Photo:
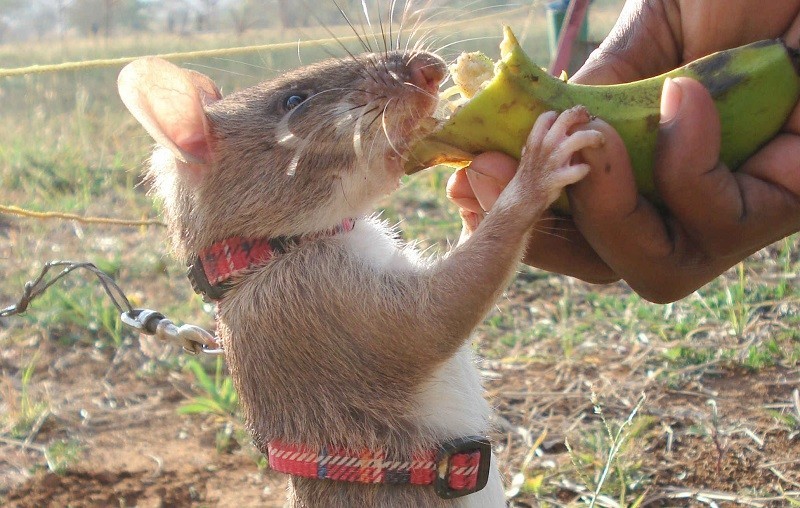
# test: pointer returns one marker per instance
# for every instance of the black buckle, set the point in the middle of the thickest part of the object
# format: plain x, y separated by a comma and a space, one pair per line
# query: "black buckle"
201, 285
441, 483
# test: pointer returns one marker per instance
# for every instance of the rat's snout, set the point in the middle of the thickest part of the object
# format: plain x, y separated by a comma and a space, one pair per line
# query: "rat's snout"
427, 71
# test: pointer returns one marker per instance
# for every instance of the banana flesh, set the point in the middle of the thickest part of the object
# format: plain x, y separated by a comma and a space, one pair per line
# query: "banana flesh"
754, 87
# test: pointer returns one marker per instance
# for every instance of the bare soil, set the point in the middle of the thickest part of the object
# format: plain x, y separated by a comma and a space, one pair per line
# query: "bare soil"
708, 433
136, 450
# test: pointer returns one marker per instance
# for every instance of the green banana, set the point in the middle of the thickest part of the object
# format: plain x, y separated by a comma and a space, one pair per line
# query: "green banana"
754, 87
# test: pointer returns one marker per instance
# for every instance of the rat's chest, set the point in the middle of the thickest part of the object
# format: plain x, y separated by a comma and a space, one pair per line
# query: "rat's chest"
377, 244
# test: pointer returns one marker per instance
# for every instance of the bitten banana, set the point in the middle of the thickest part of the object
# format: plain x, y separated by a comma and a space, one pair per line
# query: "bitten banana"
754, 87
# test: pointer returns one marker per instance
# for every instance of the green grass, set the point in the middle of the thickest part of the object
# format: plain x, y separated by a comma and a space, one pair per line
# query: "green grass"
23, 410
216, 393
62, 454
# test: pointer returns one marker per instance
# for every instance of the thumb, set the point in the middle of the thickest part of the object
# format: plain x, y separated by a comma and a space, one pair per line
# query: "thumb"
696, 188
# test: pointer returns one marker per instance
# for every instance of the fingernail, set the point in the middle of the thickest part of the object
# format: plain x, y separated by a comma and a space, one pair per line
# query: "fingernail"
486, 188
476, 167
476, 175
671, 97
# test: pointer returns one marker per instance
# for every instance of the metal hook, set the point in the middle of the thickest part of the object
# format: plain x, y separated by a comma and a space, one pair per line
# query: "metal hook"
193, 339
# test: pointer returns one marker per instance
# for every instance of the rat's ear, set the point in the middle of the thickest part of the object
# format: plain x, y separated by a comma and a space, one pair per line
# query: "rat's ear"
168, 101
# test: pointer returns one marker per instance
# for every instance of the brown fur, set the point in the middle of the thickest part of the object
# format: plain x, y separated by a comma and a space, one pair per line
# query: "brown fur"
325, 346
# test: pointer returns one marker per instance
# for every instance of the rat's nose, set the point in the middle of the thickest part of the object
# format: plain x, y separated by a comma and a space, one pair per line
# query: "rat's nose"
427, 71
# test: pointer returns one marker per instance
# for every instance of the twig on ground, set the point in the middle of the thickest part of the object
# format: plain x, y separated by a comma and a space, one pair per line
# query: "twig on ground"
22, 444
752, 435
779, 463
37, 426
159, 465
683, 493
783, 477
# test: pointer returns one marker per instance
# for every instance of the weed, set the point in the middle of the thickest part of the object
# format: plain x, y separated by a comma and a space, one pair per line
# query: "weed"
262, 463
60, 455
682, 356
225, 440
523, 482
618, 473
759, 356
219, 399
788, 419
218, 394
23, 412
739, 310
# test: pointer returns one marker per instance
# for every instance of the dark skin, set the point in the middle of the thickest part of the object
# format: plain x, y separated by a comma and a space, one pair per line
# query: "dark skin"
714, 218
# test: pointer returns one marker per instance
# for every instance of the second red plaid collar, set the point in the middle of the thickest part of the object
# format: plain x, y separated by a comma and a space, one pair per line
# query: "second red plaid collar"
458, 468
212, 268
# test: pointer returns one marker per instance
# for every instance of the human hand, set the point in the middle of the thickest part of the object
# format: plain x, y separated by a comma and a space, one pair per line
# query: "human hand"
714, 217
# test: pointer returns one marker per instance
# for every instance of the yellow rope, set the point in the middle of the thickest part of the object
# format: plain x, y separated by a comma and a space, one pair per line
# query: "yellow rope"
111, 62
21, 212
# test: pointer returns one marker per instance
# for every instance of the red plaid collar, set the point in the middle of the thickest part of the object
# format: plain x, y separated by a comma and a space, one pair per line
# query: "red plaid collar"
458, 468
213, 267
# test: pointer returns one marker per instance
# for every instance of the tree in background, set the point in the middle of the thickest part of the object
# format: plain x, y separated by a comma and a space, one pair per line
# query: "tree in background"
23, 19
92, 16
7, 9
247, 14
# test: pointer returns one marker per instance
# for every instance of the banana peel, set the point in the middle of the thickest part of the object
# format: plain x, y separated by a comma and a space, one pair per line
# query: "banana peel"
755, 88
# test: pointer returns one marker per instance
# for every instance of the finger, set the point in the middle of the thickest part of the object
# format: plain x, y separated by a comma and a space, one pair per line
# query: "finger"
540, 129
699, 191
460, 192
576, 142
609, 190
792, 125
566, 122
643, 43
557, 246
792, 40
488, 175
470, 220
724, 213
792, 35
770, 190
496, 165
627, 231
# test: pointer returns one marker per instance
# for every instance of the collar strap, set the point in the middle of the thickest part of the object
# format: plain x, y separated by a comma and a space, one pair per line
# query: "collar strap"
211, 270
459, 467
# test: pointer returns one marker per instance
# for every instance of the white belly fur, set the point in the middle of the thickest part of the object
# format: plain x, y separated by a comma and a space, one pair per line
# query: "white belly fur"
451, 403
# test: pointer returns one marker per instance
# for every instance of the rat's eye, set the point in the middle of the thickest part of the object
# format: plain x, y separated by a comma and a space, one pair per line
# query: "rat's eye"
293, 101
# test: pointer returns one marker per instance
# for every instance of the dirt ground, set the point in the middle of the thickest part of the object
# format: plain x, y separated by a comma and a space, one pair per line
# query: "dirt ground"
136, 450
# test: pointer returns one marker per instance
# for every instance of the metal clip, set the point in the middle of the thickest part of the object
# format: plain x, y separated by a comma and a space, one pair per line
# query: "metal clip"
143, 320
192, 338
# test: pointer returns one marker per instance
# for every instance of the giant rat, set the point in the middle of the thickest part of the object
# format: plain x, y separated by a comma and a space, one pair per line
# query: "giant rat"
342, 337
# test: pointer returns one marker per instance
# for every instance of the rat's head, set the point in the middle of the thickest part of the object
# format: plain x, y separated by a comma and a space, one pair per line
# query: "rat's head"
290, 156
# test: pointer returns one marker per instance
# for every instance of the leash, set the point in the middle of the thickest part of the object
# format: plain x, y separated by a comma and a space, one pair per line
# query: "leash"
193, 339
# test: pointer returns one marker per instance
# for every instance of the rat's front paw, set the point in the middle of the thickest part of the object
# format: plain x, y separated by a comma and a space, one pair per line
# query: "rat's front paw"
546, 166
